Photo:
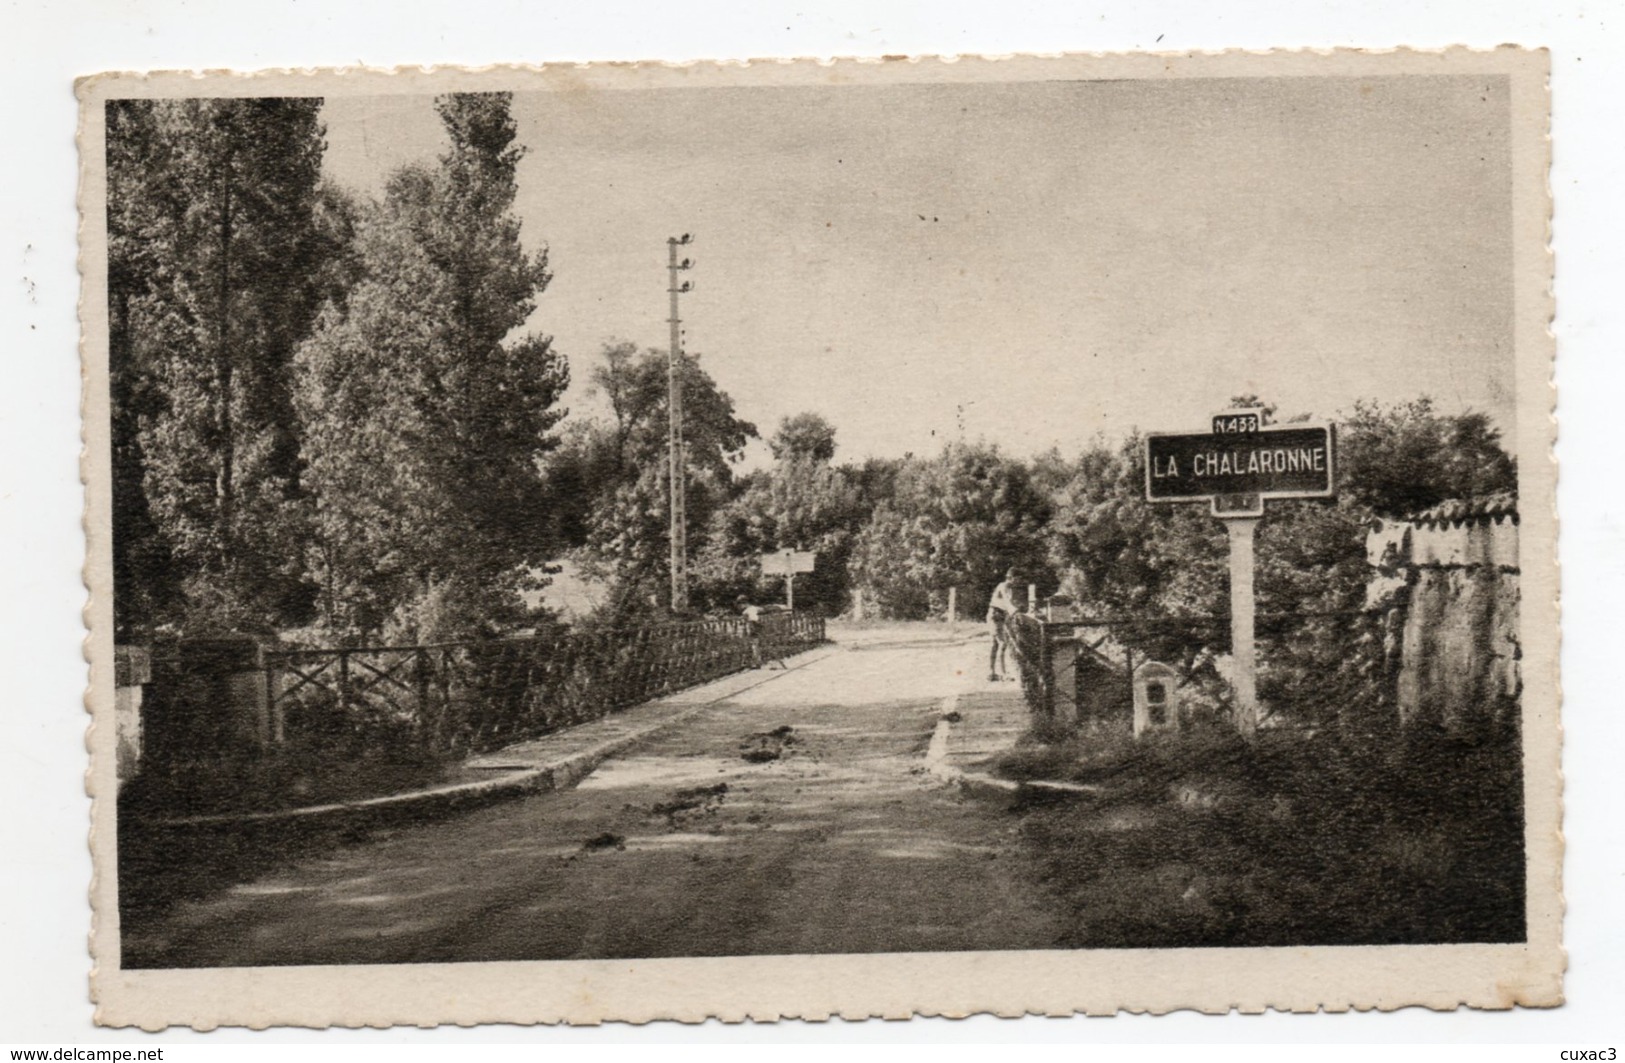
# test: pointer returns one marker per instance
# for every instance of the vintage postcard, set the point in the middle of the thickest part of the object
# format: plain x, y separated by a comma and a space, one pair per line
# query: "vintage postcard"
792, 539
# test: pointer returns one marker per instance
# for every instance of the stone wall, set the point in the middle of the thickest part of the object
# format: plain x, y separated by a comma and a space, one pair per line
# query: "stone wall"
208, 703
1447, 580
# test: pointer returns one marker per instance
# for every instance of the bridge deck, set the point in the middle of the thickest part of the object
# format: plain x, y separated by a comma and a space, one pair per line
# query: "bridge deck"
794, 815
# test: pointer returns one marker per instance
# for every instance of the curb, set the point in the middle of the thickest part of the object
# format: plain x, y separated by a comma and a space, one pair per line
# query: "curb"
561, 774
981, 784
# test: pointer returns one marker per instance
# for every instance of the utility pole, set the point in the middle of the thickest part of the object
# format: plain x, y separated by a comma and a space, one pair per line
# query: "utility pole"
674, 408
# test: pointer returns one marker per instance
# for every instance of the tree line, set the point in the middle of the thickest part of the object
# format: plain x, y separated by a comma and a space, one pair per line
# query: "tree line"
326, 411
330, 418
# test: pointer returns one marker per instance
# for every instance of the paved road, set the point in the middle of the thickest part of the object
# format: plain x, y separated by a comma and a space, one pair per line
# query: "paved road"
681, 847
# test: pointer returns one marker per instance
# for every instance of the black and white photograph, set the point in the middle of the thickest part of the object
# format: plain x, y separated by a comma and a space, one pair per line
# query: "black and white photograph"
966, 528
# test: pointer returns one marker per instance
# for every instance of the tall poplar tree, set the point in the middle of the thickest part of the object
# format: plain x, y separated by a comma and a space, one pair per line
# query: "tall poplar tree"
138, 215
426, 417
217, 263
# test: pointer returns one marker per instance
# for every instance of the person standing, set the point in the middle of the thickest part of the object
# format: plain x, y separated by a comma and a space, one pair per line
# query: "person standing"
1000, 607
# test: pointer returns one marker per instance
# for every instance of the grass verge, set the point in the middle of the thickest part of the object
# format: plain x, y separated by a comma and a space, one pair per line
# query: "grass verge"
1203, 839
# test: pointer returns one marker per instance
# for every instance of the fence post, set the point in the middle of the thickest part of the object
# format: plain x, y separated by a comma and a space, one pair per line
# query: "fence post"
449, 740
420, 686
1046, 669
953, 605
273, 699
344, 681
1128, 665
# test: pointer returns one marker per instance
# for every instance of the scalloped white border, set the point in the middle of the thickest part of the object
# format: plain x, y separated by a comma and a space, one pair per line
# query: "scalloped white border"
885, 985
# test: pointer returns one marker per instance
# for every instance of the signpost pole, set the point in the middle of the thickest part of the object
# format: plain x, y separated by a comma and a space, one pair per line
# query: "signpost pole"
1242, 650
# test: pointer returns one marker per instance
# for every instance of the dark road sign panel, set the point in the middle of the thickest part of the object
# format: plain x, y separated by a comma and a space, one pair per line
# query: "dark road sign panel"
1290, 461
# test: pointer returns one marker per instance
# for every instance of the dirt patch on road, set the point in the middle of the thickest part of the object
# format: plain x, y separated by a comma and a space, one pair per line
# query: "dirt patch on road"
698, 800
764, 746
606, 840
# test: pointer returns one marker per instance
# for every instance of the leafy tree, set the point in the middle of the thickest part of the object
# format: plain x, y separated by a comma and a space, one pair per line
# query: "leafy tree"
893, 564
958, 520
876, 479
804, 436
637, 389
802, 503
624, 467
1393, 461
1051, 472
427, 419
1399, 460
1122, 556
602, 456
218, 258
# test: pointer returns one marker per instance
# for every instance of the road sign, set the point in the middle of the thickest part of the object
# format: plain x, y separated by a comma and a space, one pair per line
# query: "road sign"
1235, 467
1289, 461
788, 562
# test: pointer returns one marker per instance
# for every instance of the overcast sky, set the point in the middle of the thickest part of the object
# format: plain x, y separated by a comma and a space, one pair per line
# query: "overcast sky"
1031, 263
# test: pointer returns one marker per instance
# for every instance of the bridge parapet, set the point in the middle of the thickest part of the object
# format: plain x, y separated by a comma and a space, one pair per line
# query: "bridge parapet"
1065, 677
325, 707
